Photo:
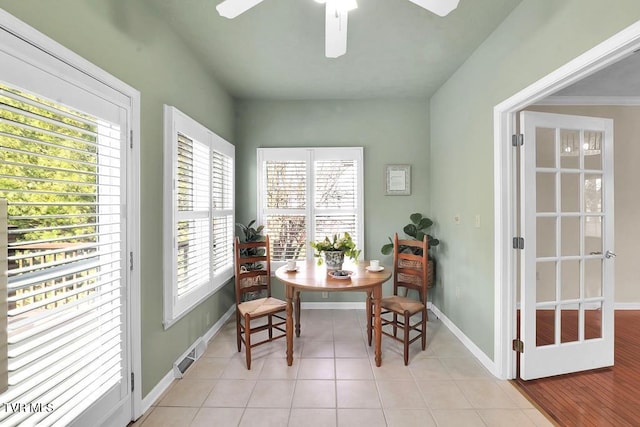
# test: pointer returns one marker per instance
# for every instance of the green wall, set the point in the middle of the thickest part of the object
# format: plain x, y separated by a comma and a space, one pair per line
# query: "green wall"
391, 131
448, 142
130, 43
538, 37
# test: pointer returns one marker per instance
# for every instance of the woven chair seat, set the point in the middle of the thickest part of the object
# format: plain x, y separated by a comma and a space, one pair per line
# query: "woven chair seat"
261, 306
399, 304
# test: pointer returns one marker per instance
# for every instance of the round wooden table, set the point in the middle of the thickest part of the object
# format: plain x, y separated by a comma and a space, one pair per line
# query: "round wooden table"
311, 277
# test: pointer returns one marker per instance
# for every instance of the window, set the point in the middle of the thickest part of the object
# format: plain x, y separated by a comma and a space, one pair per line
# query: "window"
199, 214
306, 194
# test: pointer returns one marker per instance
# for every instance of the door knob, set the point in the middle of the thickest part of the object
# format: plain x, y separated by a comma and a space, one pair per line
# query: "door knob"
610, 254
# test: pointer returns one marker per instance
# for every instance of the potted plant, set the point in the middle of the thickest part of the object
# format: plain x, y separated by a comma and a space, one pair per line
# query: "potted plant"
417, 230
335, 249
251, 234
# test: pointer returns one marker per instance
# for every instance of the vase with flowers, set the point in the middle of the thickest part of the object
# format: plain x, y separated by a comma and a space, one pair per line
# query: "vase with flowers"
334, 250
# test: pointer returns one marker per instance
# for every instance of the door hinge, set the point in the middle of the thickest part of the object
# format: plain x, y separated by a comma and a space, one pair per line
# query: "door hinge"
517, 140
518, 243
131, 139
132, 381
131, 261
518, 346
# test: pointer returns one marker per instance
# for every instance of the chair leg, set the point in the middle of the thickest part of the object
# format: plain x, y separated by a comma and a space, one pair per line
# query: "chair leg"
406, 338
296, 312
395, 324
270, 328
247, 340
369, 317
424, 329
238, 331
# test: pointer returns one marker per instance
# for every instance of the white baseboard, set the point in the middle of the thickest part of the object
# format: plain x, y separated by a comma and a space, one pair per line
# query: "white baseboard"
157, 391
332, 305
626, 306
616, 306
218, 325
474, 349
338, 305
166, 381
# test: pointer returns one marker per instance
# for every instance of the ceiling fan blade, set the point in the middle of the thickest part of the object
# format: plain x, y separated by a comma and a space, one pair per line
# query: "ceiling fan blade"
335, 31
439, 7
232, 8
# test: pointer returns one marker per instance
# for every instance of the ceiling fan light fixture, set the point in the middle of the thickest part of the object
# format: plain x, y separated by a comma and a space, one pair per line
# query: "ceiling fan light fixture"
336, 17
439, 7
232, 8
340, 5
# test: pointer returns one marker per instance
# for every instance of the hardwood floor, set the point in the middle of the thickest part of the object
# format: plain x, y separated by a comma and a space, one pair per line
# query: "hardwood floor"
604, 397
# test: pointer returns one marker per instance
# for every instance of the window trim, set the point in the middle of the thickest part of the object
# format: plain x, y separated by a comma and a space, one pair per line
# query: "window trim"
309, 155
175, 308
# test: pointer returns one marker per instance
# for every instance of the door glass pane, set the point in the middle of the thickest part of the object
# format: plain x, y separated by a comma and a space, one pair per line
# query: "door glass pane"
593, 235
593, 278
545, 237
570, 236
592, 193
545, 192
593, 321
592, 146
569, 323
570, 192
546, 281
545, 327
569, 149
545, 148
570, 275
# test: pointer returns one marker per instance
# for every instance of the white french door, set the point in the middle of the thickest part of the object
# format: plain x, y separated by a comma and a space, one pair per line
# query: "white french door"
63, 172
567, 275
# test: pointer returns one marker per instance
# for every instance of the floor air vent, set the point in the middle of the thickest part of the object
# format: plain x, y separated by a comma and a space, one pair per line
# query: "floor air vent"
186, 360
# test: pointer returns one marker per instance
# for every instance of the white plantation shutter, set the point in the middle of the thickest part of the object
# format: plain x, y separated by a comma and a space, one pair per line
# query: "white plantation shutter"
193, 215
199, 215
285, 210
222, 193
306, 194
61, 174
336, 198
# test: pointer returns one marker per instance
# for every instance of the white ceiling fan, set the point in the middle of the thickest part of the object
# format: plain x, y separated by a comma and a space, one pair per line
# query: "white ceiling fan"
335, 17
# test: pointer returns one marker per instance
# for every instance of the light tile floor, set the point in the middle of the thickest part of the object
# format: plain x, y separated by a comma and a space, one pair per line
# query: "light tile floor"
334, 382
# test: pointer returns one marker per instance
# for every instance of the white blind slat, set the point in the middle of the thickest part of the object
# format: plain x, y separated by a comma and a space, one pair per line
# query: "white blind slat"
336, 184
286, 184
287, 236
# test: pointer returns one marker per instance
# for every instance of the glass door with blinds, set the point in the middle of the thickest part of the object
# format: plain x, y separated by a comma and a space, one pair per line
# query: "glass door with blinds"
62, 174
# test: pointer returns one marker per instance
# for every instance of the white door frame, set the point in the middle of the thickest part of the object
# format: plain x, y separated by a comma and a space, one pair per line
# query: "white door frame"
46, 44
604, 54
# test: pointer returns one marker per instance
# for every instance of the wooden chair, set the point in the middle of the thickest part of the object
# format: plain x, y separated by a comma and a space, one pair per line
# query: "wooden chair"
253, 296
410, 273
